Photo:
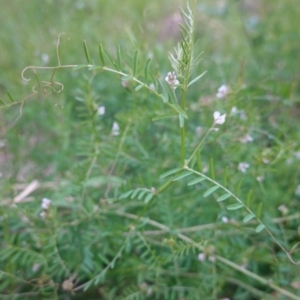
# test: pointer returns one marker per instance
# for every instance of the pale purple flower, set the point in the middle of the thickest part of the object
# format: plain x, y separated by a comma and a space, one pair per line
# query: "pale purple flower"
115, 130
46, 203
218, 118
172, 80
201, 256
243, 166
222, 91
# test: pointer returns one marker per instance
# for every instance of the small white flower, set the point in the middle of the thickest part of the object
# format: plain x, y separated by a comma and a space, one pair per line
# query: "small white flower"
297, 192
172, 80
243, 166
101, 110
246, 139
219, 119
201, 256
225, 220
115, 130
46, 203
222, 91
260, 178
234, 110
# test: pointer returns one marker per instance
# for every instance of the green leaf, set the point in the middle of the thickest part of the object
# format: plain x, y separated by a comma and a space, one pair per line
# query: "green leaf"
179, 110
146, 70
10, 96
139, 87
110, 59
212, 168
210, 191
197, 78
182, 175
235, 206
223, 197
195, 181
101, 55
248, 218
125, 195
181, 121
164, 116
170, 172
119, 59
249, 198
79, 67
95, 67
165, 94
148, 197
86, 52
134, 194
259, 209
141, 194
135, 62
260, 227
2, 102
225, 176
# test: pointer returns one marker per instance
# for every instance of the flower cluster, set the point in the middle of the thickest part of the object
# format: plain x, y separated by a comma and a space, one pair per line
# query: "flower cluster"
243, 166
172, 80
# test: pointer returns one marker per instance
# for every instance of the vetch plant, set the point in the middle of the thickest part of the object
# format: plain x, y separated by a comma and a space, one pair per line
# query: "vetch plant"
116, 213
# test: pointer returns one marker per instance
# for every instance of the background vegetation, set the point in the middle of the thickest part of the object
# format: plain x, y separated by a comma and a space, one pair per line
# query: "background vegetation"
96, 240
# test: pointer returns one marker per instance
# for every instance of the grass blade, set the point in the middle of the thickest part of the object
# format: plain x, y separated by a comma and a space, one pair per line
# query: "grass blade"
86, 52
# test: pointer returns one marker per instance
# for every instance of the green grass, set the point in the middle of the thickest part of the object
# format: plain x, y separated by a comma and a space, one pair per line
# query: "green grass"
115, 229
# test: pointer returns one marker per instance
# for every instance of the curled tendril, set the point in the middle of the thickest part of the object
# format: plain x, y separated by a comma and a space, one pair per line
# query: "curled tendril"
48, 87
